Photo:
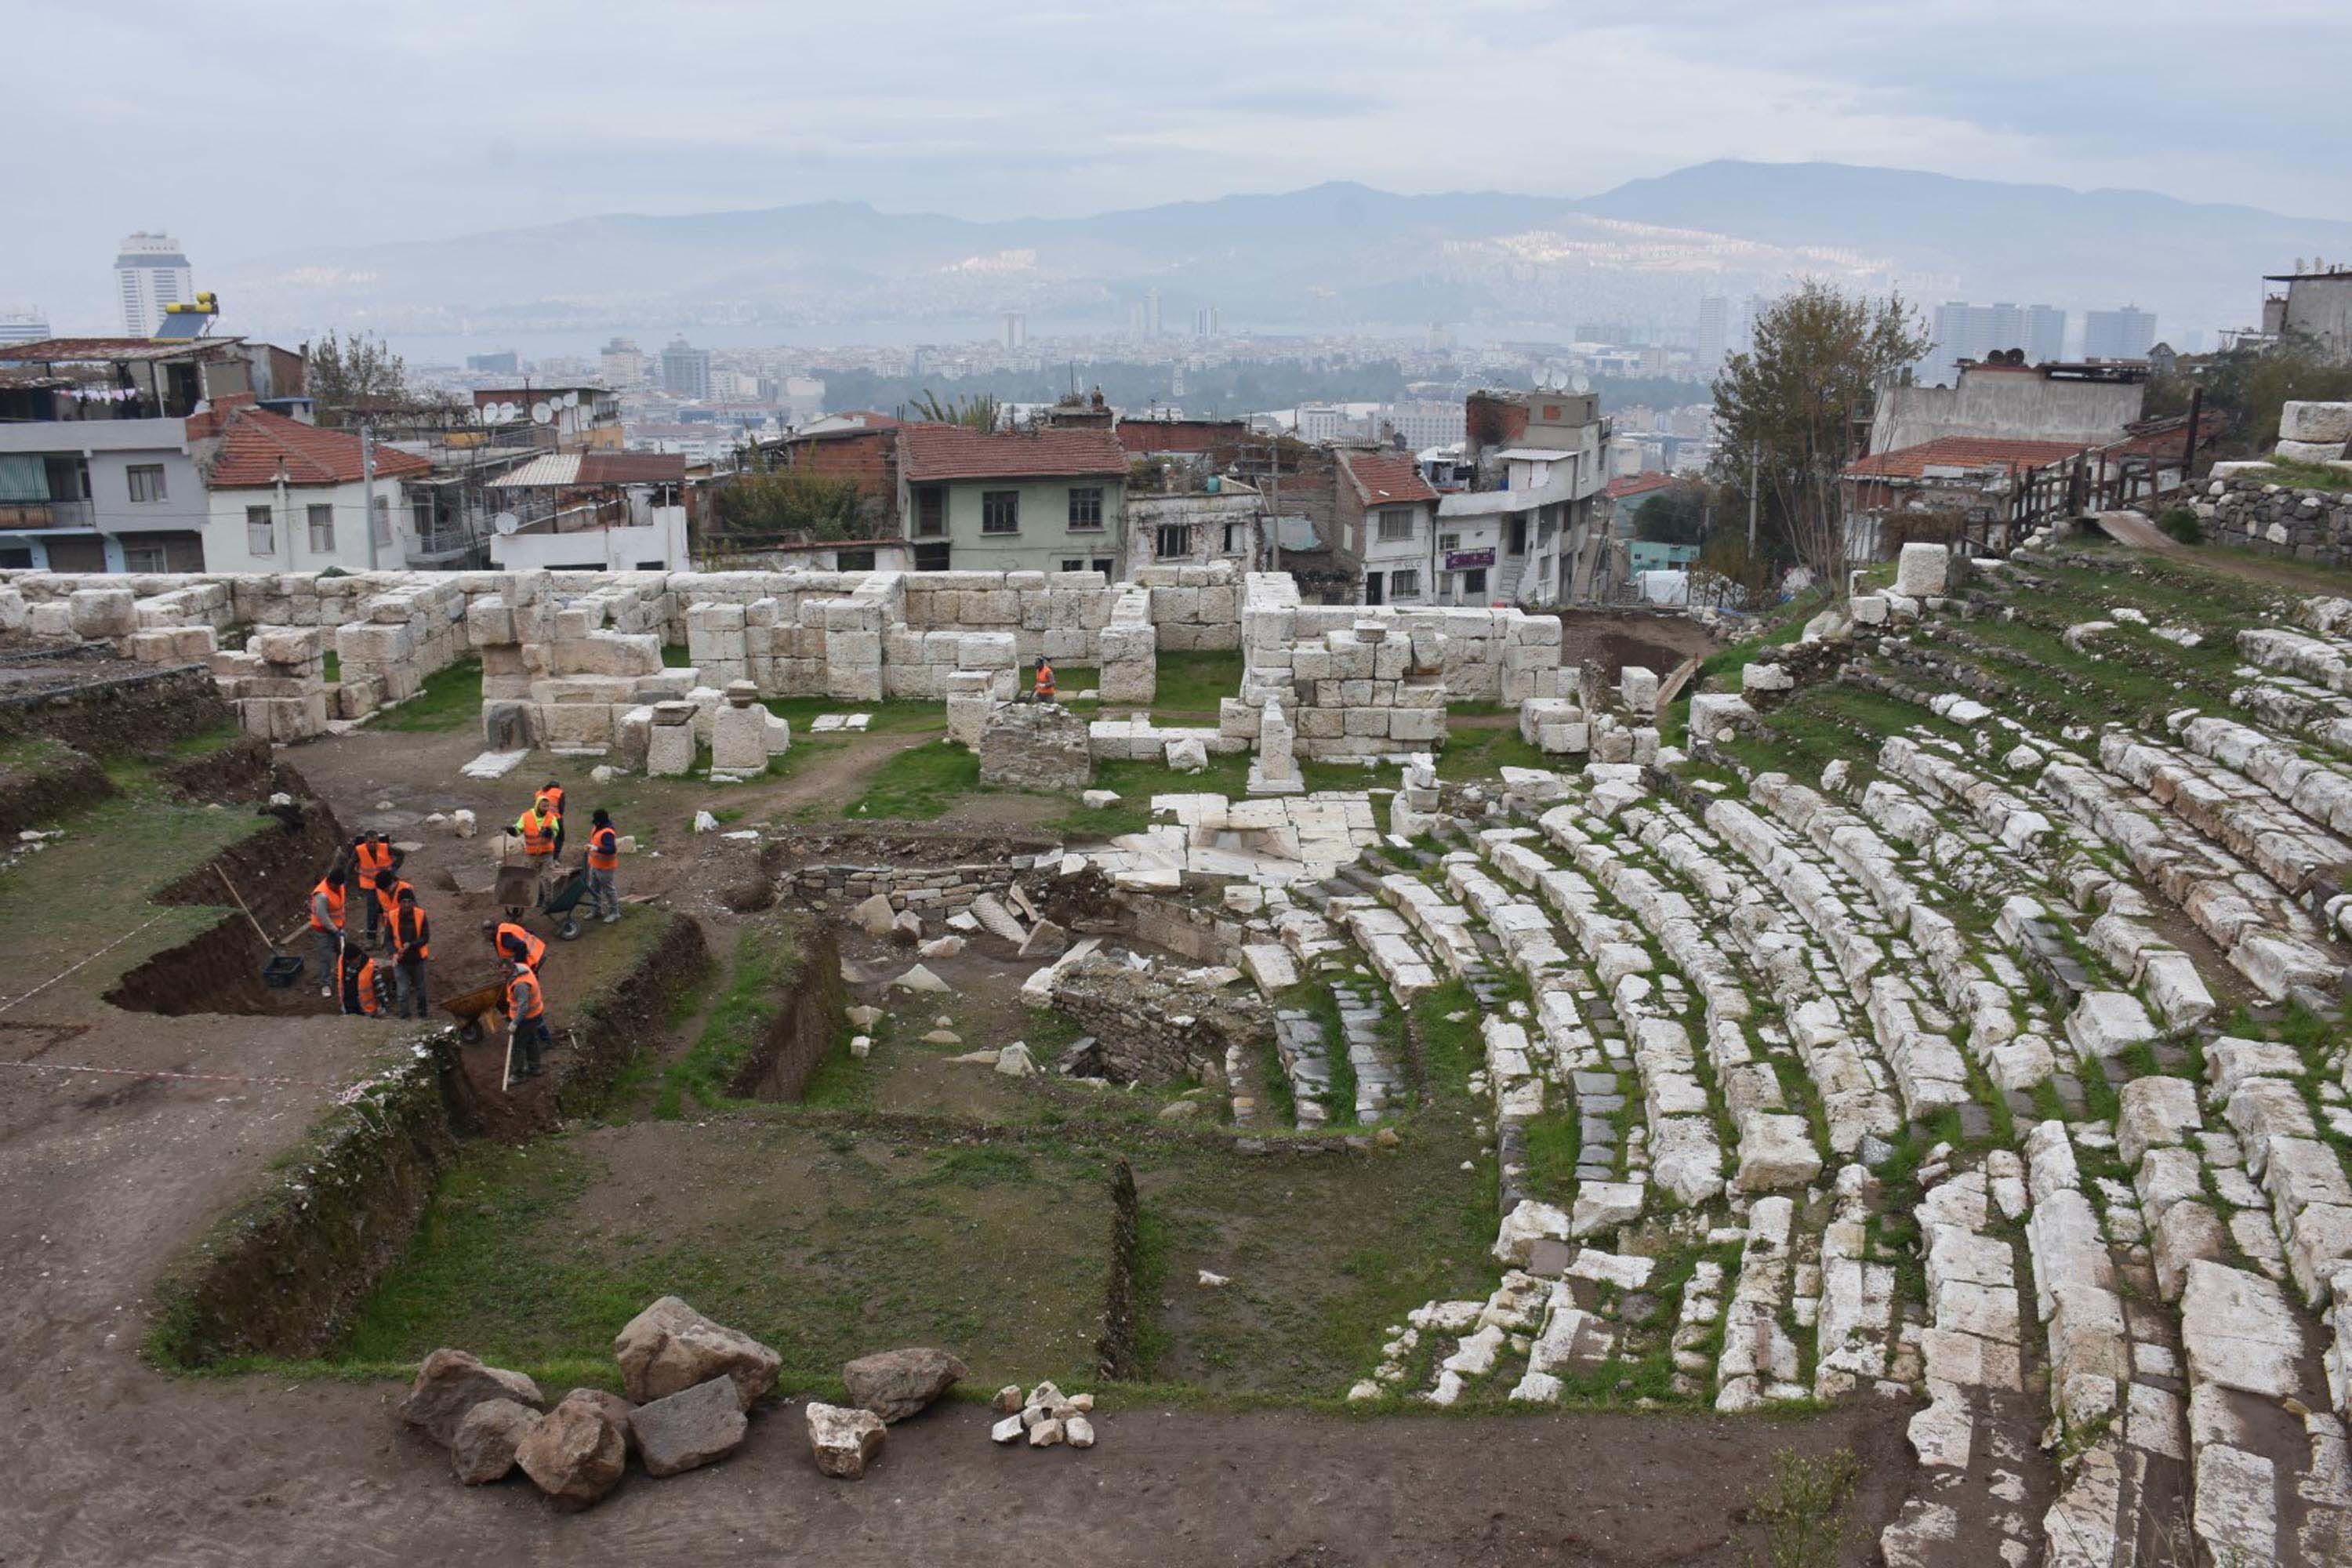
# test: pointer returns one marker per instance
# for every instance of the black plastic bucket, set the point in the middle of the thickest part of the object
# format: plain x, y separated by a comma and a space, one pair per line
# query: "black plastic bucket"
281, 971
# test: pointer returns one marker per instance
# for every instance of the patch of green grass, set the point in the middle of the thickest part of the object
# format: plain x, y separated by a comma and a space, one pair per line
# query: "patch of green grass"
675, 657
1193, 682
450, 698
917, 784
763, 952
1482, 754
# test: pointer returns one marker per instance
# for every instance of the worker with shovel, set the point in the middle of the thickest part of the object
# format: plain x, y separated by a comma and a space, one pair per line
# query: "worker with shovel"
526, 1023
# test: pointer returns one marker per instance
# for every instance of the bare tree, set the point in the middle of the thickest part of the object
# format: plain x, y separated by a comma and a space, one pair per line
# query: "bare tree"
1797, 404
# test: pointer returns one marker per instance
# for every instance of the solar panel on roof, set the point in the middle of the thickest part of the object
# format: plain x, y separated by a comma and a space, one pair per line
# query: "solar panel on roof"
182, 326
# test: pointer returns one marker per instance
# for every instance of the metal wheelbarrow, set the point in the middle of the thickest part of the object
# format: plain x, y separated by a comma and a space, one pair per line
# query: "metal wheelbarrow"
474, 1008
559, 895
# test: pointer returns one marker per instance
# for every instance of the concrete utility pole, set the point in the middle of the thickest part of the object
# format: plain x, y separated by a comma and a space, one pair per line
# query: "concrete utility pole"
1755, 456
367, 489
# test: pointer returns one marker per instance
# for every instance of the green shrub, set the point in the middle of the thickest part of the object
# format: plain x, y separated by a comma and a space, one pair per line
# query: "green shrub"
2182, 524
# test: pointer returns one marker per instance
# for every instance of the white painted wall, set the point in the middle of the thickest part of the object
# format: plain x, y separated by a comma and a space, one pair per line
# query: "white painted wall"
661, 542
225, 547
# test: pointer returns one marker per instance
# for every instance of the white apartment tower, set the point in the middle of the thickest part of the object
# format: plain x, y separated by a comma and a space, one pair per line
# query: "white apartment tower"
149, 272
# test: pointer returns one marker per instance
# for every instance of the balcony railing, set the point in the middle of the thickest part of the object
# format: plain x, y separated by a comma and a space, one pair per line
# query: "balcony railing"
48, 514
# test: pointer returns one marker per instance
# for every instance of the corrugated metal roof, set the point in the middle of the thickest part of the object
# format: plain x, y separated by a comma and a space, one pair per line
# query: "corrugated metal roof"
564, 469
58, 351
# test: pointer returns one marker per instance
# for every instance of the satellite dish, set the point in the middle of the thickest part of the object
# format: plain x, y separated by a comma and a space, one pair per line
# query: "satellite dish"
500, 412
1582, 382
571, 400
506, 523
541, 414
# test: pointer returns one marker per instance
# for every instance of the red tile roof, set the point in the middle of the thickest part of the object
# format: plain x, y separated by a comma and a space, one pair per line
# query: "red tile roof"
930, 452
1635, 485
1385, 478
257, 442
1960, 452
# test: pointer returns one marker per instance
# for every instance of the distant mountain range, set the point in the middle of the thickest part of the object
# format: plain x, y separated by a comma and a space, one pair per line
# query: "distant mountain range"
1333, 257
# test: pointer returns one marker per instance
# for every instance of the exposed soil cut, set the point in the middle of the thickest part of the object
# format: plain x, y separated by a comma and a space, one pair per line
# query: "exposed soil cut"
1614, 640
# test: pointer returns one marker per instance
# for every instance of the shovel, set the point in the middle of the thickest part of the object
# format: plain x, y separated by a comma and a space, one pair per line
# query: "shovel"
282, 968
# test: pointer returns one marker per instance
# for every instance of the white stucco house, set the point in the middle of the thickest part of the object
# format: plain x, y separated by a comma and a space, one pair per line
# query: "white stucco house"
284, 496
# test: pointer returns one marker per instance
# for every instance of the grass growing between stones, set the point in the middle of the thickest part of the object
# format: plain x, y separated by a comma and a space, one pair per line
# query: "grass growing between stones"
448, 699
897, 718
1481, 754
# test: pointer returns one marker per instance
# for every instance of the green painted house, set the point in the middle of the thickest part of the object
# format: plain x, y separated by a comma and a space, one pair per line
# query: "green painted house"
1648, 555
1014, 501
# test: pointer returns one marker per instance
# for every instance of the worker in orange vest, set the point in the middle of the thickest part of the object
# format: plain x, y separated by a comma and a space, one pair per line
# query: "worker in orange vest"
513, 944
389, 886
327, 926
604, 866
541, 829
371, 857
549, 800
411, 946
360, 984
526, 1019
1044, 679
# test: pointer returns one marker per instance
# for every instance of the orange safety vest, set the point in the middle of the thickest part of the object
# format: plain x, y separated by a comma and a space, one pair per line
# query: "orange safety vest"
387, 893
359, 984
604, 850
538, 832
334, 903
533, 948
523, 998
374, 860
418, 932
1045, 680
551, 800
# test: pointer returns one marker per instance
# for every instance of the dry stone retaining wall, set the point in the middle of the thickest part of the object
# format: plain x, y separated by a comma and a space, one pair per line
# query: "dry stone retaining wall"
2309, 524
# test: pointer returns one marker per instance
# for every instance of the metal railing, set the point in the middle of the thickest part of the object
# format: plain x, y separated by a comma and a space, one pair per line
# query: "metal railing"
48, 514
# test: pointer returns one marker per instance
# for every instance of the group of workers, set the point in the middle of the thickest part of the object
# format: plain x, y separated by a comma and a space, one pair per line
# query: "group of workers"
379, 970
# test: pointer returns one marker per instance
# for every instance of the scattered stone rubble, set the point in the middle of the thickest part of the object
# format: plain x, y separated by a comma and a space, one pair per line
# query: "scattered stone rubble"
1045, 1417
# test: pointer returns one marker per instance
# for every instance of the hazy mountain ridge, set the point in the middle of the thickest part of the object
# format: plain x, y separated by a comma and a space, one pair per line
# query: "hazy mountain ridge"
1334, 255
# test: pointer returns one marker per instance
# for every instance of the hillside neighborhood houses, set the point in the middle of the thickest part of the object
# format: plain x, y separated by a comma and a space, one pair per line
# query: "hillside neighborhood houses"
193, 451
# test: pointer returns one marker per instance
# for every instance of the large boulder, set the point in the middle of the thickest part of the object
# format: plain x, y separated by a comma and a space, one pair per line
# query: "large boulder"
843, 1441
575, 1454
670, 1347
483, 1448
452, 1383
895, 1385
688, 1430
613, 1404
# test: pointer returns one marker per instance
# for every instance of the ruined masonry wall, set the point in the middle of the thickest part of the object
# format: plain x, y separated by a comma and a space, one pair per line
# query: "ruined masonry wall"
2308, 524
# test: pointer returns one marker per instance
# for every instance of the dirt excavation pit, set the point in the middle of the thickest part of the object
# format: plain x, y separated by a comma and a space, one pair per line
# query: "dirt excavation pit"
220, 969
1615, 639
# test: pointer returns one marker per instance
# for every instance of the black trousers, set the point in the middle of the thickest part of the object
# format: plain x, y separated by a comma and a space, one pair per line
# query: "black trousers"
531, 1039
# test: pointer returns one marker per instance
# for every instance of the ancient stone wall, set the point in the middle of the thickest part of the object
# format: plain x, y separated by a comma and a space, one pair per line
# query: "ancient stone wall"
2308, 524
1154, 1028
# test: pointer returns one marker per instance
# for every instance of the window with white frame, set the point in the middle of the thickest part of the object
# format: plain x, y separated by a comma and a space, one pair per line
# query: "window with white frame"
1449, 543
146, 481
1173, 541
144, 558
1405, 584
260, 532
1396, 524
322, 529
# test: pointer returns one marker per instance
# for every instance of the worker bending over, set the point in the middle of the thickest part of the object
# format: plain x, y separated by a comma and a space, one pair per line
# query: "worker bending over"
359, 984
525, 1020
604, 866
327, 927
512, 944
412, 947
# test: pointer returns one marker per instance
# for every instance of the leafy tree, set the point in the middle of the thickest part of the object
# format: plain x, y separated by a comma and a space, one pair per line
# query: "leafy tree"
794, 501
1800, 400
2244, 388
1676, 515
354, 372
974, 411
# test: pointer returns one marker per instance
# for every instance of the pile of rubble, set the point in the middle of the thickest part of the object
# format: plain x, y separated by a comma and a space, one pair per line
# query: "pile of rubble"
690, 1387
1045, 1415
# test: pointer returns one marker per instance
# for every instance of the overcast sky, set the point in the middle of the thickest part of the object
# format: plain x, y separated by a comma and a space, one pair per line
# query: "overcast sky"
267, 126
